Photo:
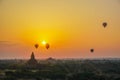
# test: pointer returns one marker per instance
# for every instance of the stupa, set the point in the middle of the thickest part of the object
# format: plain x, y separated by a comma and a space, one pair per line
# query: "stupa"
32, 60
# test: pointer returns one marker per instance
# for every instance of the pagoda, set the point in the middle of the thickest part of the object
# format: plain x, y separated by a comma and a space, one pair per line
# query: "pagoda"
32, 60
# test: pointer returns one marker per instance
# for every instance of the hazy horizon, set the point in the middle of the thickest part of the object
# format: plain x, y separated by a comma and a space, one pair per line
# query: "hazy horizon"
71, 27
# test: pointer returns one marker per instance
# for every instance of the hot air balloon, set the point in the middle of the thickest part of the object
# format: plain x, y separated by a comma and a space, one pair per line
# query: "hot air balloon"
47, 45
92, 50
104, 24
36, 46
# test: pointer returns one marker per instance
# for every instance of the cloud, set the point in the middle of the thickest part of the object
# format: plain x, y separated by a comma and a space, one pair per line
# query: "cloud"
7, 43
4, 41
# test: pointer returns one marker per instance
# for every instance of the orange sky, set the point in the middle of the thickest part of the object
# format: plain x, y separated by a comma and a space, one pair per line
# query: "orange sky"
71, 27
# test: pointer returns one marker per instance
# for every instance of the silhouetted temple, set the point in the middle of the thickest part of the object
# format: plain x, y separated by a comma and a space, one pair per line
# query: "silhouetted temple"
32, 60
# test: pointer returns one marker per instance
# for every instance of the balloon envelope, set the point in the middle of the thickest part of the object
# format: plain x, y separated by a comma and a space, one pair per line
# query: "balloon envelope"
104, 24
36, 46
47, 46
91, 50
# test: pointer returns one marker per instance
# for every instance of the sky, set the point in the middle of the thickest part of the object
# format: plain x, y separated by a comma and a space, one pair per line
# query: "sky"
71, 27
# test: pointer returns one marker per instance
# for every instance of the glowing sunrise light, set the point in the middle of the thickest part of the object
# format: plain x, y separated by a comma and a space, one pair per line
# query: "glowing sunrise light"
44, 42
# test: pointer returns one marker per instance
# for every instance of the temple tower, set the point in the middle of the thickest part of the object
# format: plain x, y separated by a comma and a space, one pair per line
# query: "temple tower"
32, 60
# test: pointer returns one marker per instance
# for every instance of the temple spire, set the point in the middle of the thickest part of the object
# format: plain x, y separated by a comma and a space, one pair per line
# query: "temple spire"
32, 61
32, 56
